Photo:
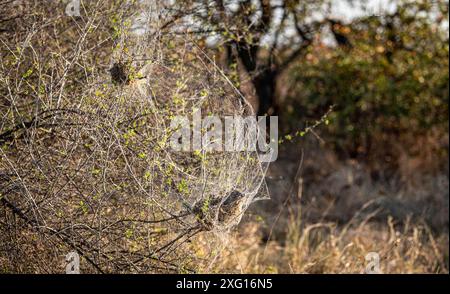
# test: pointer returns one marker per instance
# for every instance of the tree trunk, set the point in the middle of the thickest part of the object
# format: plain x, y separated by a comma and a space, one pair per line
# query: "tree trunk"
264, 77
265, 85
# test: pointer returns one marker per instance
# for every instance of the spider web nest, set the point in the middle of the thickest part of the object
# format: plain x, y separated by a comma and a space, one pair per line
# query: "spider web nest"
187, 192
193, 187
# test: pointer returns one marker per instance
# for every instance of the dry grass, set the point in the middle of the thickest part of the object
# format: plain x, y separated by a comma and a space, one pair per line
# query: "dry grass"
327, 215
325, 248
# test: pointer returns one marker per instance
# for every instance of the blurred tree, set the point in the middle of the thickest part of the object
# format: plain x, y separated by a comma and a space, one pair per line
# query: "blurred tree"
264, 36
394, 81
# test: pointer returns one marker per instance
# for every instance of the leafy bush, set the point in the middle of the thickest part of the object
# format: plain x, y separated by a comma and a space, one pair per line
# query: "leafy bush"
393, 81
